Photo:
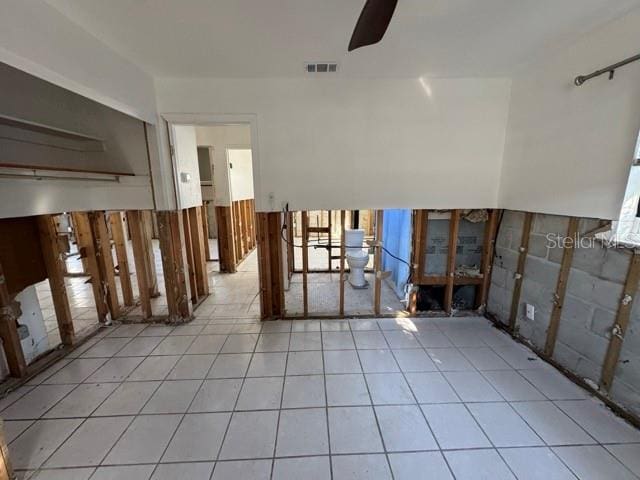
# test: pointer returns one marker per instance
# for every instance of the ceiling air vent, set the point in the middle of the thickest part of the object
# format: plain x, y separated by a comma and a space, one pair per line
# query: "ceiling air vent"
321, 67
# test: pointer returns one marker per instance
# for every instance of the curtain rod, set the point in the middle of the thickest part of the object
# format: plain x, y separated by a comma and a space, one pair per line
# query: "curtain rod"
580, 79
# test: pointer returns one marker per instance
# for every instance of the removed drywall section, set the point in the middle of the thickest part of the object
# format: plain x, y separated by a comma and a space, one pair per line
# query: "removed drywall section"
569, 149
357, 144
592, 298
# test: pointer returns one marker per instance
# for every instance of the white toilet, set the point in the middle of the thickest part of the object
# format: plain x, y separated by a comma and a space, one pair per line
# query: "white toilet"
357, 258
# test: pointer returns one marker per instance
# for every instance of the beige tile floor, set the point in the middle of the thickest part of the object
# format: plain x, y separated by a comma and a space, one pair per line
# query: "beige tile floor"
228, 397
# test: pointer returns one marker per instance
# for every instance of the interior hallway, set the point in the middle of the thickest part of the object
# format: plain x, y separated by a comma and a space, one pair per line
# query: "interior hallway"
228, 397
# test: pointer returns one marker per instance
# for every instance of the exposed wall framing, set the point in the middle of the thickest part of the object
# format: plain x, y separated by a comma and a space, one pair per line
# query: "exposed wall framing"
270, 258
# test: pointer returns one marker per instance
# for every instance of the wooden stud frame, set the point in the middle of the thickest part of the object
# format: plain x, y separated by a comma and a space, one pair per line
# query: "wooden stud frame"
198, 251
305, 262
106, 268
117, 233
205, 231
9, 313
191, 271
561, 287
55, 271
377, 264
226, 246
519, 275
147, 217
140, 259
342, 258
619, 328
271, 277
454, 222
488, 246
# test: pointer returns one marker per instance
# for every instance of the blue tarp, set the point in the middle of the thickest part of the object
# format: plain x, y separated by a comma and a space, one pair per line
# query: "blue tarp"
396, 237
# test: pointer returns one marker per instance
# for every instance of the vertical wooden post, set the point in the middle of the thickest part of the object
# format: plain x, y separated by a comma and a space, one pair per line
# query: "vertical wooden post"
264, 265
619, 327
454, 223
291, 255
86, 245
9, 314
561, 287
6, 469
105, 261
140, 259
199, 255
342, 255
55, 271
205, 231
271, 277
519, 275
377, 262
117, 233
419, 243
305, 262
188, 246
226, 244
174, 265
152, 277
488, 245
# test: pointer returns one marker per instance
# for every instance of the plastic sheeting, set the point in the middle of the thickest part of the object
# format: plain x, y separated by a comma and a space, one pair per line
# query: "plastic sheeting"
396, 237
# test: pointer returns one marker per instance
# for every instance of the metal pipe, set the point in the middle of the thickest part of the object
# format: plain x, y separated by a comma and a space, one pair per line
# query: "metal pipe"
580, 79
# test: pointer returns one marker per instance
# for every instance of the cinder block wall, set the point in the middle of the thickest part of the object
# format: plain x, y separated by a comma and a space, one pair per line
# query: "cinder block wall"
594, 290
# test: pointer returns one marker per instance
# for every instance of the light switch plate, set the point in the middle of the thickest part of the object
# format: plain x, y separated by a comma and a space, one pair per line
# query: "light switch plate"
531, 311
185, 177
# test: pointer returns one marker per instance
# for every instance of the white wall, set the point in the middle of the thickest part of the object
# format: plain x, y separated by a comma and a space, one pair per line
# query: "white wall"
221, 137
569, 149
241, 173
363, 143
36, 38
186, 166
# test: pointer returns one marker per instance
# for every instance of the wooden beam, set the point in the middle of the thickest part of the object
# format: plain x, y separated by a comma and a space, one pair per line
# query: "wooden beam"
305, 263
6, 468
519, 275
152, 276
188, 245
270, 266
140, 260
198, 249
226, 248
124, 274
377, 257
86, 245
488, 245
619, 327
291, 255
106, 268
342, 257
454, 223
205, 231
419, 243
264, 266
236, 235
55, 272
9, 314
561, 287
174, 266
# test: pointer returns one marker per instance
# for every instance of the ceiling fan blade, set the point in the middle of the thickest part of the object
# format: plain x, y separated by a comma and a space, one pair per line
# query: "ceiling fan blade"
372, 23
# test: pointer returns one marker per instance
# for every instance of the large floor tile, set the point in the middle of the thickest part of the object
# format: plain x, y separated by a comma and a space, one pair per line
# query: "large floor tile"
551, 424
64, 474
82, 401
36, 402
139, 347
90, 443
414, 360
347, 389
593, 463
107, 347
431, 387
207, 344
600, 422
410, 466
404, 429
513, 386
191, 367
267, 365
304, 363
454, 427
360, 467
519, 357
260, 394
554, 385
124, 472
173, 396
472, 387
378, 361
478, 464
144, 441
186, 471
307, 468
401, 339
628, 454
154, 368
173, 345
337, 341
216, 395
244, 343
301, 341
449, 360
39, 441
115, 369
353, 430
302, 432
389, 389
198, 438
538, 463
304, 391
127, 399
243, 469
370, 340
484, 358
250, 435
503, 426
77, 371
341, 361
273, 342
230, 366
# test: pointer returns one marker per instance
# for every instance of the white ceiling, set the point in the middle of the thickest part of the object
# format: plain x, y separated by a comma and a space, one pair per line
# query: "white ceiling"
273, 38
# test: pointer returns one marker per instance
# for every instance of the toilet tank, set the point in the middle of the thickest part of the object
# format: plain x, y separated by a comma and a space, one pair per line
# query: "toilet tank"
353, 240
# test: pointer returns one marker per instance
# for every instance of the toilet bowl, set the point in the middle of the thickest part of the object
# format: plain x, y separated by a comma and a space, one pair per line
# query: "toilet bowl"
357, 258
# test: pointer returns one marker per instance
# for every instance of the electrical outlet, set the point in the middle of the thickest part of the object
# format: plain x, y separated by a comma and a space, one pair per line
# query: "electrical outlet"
531, 311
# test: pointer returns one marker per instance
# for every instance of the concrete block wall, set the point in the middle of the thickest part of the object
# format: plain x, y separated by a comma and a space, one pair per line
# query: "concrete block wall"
593, 293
